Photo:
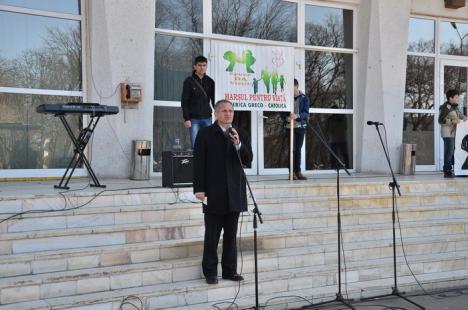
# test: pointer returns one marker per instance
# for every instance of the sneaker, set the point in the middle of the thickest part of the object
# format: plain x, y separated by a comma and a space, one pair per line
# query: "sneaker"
299, 176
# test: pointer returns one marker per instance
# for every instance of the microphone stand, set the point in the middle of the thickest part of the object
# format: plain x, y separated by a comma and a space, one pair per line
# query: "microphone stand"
394, 186
340, 164
256, 213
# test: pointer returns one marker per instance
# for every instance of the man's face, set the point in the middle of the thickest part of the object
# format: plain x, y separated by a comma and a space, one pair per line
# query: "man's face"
453, 100
224, 114
200, 68
296, 90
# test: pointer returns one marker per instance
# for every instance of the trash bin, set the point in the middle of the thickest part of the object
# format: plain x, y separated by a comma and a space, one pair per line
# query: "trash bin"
141, 160
408, 160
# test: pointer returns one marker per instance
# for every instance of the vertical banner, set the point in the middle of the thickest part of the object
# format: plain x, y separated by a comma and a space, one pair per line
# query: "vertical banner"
254, 77
460, 166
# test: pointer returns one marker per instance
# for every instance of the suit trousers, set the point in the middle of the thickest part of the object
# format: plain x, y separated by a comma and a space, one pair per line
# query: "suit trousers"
214, 223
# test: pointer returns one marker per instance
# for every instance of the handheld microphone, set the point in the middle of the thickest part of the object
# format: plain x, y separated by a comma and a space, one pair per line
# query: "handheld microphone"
373, 123
228, 133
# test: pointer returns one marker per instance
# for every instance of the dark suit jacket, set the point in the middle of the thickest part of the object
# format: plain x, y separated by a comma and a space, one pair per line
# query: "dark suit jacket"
217, 170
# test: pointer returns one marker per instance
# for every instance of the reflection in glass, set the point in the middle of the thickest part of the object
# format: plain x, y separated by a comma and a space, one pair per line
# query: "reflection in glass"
42, 52
183, 15
419, 92
329, 79
30, 140
243, 119
326, 26
456, 78
337, 130
60, 6
259, 19
454, 38
418, 128
275, 141
167, 128
421, 35
173, 63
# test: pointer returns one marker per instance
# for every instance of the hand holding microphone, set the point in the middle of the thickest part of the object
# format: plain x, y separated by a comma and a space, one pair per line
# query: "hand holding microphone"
233, 135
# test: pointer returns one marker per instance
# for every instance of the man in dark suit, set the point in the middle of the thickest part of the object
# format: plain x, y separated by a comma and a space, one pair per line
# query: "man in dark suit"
219, 181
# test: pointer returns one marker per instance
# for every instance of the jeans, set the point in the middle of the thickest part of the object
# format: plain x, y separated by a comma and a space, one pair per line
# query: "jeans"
449, 150
299, 134
197, 124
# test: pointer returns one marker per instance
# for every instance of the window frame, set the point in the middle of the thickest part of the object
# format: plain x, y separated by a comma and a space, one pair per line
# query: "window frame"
209, 37
54, 172
439, 97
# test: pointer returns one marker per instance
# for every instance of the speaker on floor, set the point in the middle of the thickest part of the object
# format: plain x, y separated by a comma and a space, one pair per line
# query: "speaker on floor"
177, 169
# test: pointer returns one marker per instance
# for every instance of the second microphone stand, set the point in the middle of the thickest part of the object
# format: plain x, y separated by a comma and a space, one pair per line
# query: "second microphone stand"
339, 165
256, 213
395, 187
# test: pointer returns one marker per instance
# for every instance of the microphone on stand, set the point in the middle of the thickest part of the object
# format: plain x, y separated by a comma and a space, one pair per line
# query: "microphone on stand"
374, 123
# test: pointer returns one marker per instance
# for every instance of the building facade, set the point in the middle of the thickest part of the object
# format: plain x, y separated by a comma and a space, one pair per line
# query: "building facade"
357, 60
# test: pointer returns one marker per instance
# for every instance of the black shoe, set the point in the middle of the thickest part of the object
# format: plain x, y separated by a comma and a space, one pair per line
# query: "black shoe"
235, 277
449, 174
299, 176
211, 280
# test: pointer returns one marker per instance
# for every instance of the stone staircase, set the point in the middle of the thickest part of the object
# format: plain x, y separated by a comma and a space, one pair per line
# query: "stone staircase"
148, 243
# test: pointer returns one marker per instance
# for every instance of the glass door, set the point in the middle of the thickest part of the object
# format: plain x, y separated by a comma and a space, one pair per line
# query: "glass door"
453, 75
247, 120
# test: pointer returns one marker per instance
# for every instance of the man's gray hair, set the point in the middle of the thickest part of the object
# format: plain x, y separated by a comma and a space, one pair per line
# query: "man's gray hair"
220, 102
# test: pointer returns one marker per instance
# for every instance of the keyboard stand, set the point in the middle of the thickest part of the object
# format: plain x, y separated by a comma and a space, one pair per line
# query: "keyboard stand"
80, 143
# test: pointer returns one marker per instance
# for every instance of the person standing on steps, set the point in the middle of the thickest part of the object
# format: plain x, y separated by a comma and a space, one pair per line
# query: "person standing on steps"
219, 182
198, 95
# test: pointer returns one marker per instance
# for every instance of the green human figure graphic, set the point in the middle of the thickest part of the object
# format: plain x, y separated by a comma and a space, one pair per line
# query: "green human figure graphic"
281, 80
266, 79
274, 81
255, 84
247, 59
231, 57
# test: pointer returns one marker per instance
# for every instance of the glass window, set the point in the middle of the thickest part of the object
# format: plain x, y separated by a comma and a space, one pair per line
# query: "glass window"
259, 19
337, 130
31, 140
173, 63
275, 137
42, 52
60, 6
329, 80
456, 78
168, 132
454, 38
418, 128
421, 35
419, 92
330, 27
183, 15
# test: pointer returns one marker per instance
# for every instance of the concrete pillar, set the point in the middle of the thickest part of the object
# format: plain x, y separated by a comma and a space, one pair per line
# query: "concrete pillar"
120, 34
382, 30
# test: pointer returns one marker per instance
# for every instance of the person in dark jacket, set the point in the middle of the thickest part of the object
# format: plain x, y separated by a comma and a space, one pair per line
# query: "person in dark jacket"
449, 118
301, 120
197, 98
220, 184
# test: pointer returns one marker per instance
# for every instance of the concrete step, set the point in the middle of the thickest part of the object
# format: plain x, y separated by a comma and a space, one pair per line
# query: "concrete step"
271, 190
189, 282
14, 243
154, 213
82, 258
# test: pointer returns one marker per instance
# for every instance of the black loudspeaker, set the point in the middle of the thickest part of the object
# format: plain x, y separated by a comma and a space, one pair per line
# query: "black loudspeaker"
177, 169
